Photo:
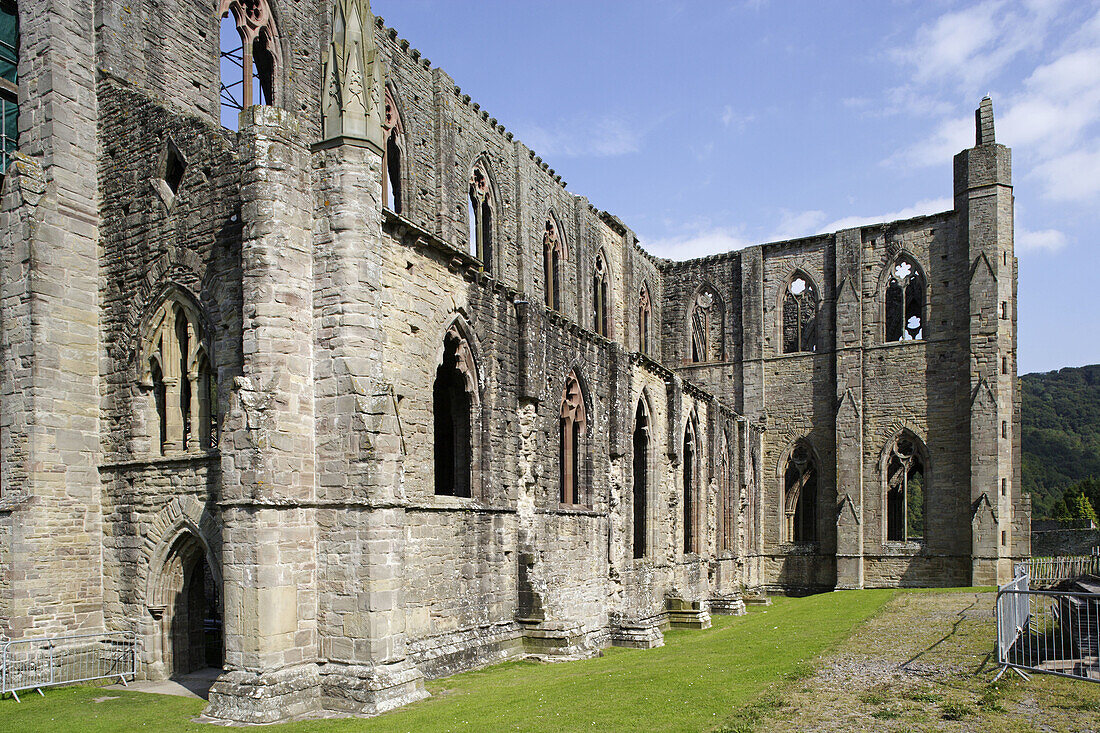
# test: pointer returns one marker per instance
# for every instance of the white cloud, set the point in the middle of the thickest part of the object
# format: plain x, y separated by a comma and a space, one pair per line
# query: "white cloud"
921, 208
807, 223
583, 136
731, 118
1074, 176
951, 136
1051, 117
794, 224
969, 47
708, 241
1045, 240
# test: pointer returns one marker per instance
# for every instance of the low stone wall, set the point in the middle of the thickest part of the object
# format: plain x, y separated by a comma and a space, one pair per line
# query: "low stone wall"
1064, 542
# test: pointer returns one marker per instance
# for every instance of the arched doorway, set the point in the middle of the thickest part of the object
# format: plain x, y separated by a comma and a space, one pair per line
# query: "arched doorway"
187, 607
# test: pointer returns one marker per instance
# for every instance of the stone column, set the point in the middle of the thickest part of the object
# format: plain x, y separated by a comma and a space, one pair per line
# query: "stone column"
268, 448
51, 538
173, 413
360, 450
362, 541
984, 204
849, 417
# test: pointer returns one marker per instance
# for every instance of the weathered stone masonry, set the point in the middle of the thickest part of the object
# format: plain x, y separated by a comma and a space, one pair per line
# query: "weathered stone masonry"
251, 481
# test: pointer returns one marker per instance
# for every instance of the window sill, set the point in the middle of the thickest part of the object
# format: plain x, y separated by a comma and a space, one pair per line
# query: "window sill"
798, 548
446, 503
902, 549
574, 509
171, 458
899, 344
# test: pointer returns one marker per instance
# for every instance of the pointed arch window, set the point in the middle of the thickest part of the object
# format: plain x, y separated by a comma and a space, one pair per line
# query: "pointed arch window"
699, 328
454, 396
249, 56
906, 490
645, 314
706, 317
481, 215
727, 517
572, 423
393, 157
178, 376
553, 253
9, 92
905, 301
690, 478
600, 292
799, 315
800, 495
641, 478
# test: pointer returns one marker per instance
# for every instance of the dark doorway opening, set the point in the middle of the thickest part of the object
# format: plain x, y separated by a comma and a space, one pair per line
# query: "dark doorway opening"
191, 620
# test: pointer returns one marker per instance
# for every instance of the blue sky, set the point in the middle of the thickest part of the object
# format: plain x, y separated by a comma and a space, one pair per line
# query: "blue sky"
707, 126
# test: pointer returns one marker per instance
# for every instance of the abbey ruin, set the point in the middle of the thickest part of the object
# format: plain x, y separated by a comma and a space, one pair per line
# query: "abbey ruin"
360, 394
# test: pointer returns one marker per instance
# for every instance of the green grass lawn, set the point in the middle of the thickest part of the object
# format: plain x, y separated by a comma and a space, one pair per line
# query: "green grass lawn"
694, 682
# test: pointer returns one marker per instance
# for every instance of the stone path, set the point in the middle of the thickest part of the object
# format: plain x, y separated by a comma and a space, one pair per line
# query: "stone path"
925, 663
196, 684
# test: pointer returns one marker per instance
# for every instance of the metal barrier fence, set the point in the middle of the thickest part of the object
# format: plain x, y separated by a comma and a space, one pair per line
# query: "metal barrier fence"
31, 664
1052, 632
1051, 570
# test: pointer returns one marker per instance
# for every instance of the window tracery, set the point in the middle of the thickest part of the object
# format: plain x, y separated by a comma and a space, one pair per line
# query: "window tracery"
250, 55
571, 432
454, 395
691, 476
393, 156
600, 319
905, 302
800, 495
727, 512
706, 318
699, 328
905, 490
553, 249
641, 478
481, 215
177, 371
645, 311
799, 315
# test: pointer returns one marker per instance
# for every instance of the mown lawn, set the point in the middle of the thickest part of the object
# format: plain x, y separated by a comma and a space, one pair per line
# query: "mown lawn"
695, 682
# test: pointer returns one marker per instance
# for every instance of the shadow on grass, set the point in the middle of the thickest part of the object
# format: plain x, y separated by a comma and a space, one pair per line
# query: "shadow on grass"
697, 681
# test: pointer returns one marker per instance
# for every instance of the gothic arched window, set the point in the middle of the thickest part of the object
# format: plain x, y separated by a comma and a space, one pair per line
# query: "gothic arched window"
799, 315
645, 313
641, 478
906, 489
454, 396
800, 495
691, 478
572, 420
905, 302
706, 317
727, 512
553, 253
601, 321
249, 56
481, 214
176, 370
9, 92
699, 333
393, 157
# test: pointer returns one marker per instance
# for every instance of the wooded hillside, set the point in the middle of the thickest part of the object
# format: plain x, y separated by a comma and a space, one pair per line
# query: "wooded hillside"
1061, 433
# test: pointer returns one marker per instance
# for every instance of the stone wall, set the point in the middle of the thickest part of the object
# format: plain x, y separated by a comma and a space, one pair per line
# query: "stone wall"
346, 579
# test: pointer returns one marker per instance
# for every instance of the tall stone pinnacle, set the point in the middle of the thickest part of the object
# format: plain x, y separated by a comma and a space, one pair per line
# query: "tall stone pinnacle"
353, 101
